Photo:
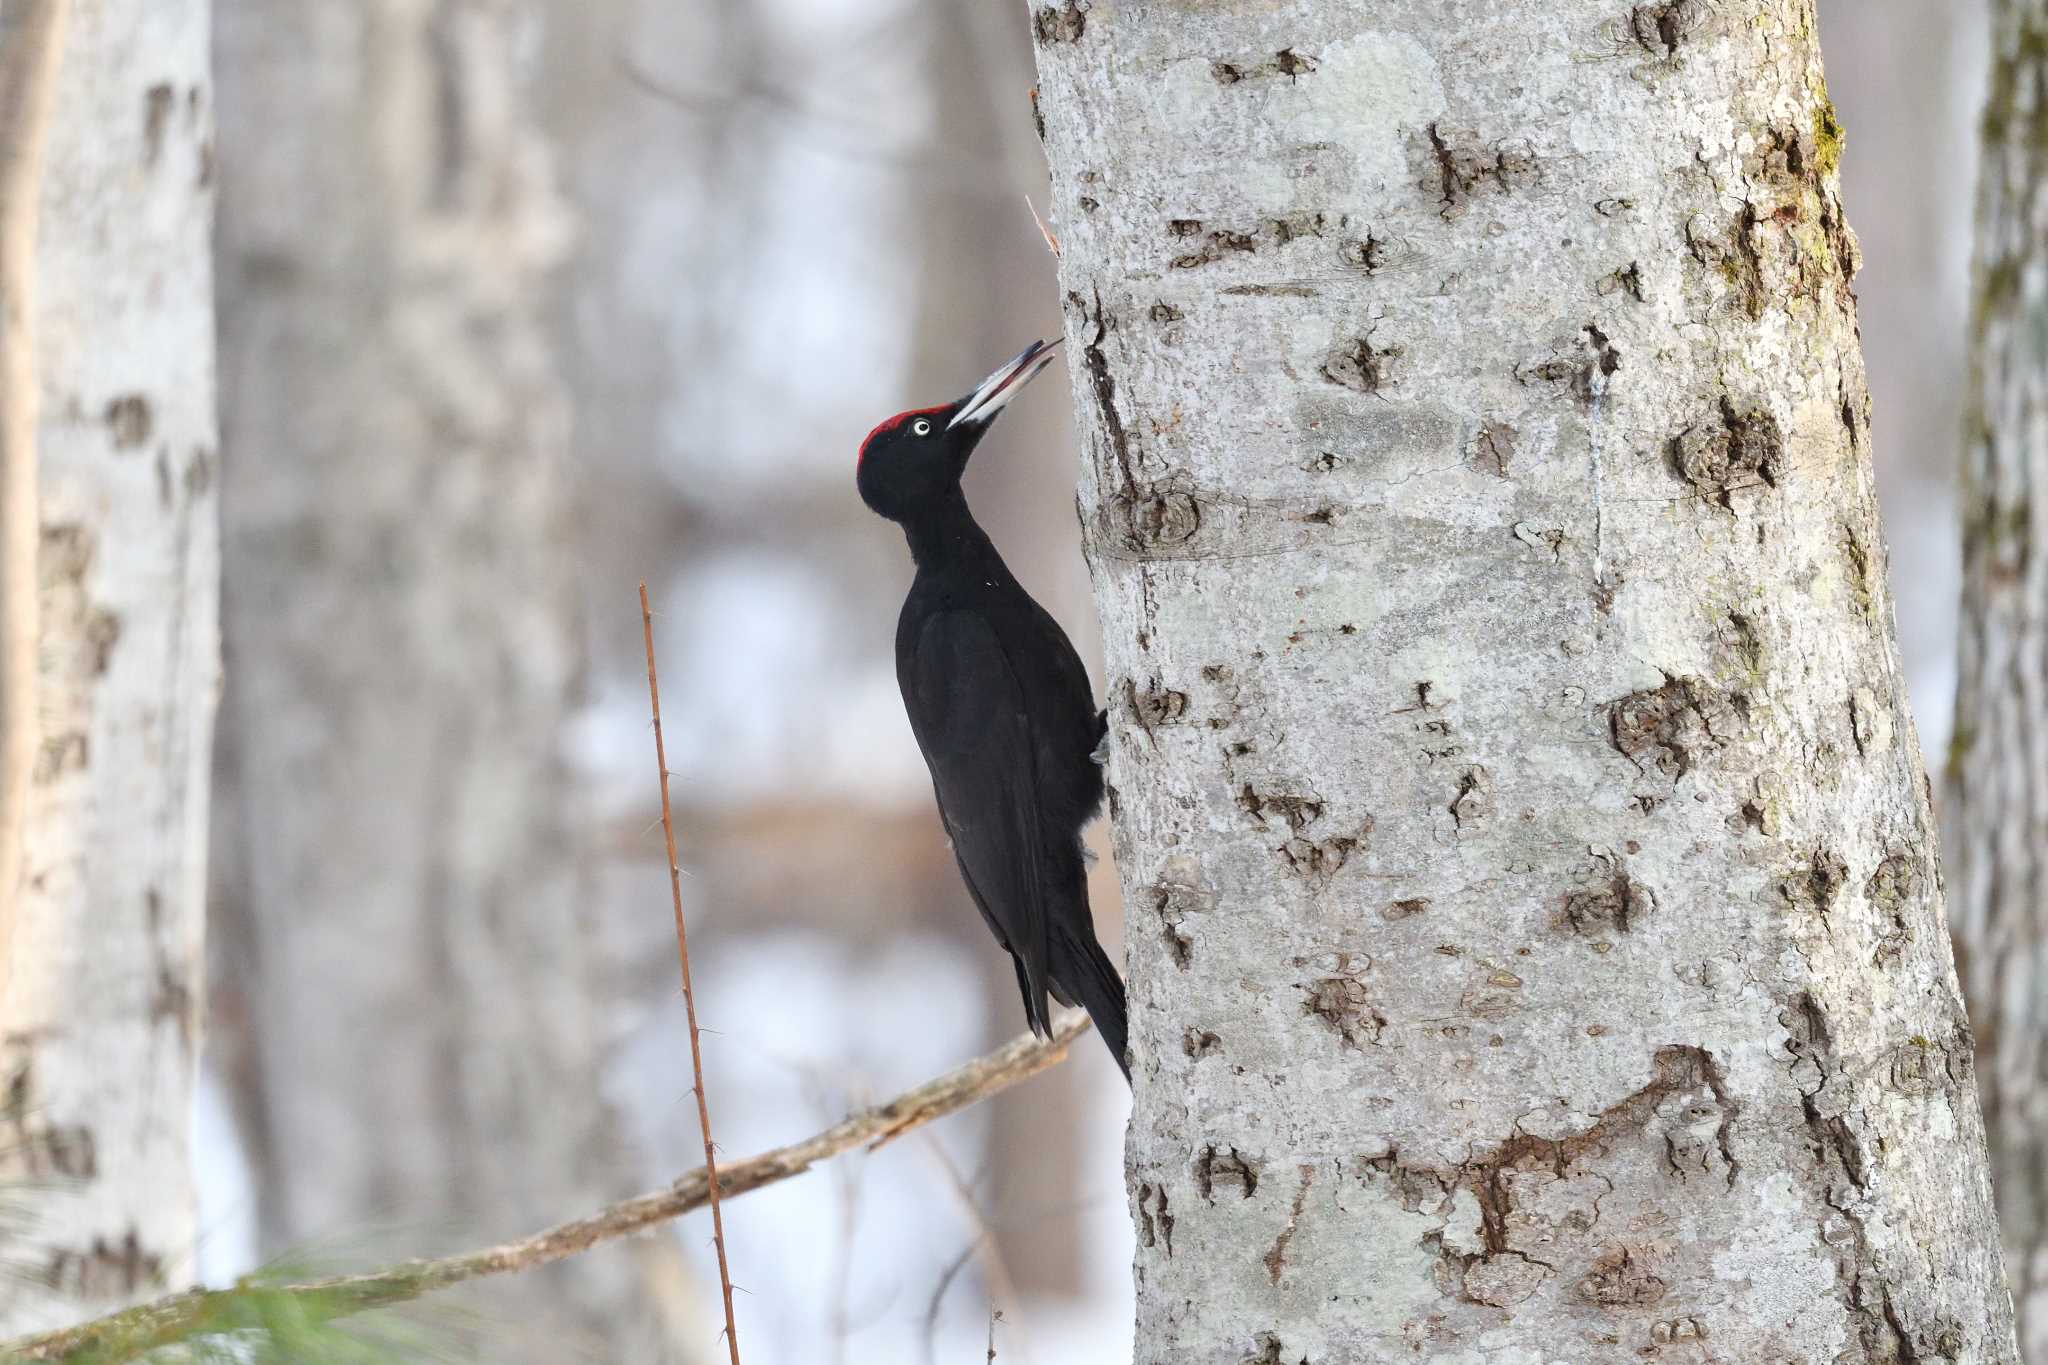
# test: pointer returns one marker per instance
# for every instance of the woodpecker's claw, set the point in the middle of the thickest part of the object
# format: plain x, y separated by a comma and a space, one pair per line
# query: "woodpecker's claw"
981, 406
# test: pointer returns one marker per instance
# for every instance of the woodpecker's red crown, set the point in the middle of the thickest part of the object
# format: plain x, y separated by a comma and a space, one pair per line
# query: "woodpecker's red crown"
919, 455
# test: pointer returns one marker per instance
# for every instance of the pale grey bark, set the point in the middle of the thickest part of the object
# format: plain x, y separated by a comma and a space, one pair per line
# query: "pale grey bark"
31, 42
1536, 934
422, 1020
100, 1025
1997, 834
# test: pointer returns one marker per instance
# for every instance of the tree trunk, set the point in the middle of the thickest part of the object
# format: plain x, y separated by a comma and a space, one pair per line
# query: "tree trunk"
1536, 935
100, 1025
31, 43
420, 1003
1998, 763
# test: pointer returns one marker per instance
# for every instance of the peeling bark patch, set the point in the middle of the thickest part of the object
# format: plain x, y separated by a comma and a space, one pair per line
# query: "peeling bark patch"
1103, 387
1271, 291
1213, 1166
1285, 64
1661, 29
1733, 255
1464, 169
1199, 243
1695, 1125
1677, 1331
1858, 555
1826, 1093
1894, 891
1503, 1279
1620, 1278
1668, 726
1734, 451
1299, 809
1154, 704
1155, 1223
1268, 1347
1360, 366
1173, 902
1685, 1106
1493, 450
1367, 253
1474, 801
1157, 517
1060, 24
1628, 279
1319, 860
1621, 903
129, 421
1739, 636
1584, 364
1870, 723
1213, 248
1828, 1099
1276, 1256
1344, 1005
1815, 886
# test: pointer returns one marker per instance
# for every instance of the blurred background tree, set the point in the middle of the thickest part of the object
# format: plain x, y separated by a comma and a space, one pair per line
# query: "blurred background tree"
100, 1023
1996, 833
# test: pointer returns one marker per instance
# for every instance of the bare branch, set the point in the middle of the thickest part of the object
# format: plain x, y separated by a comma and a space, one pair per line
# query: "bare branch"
125, 1335
675, 886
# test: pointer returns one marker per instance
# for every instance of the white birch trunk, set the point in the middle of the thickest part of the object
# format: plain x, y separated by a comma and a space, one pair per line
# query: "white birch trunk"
1536, 936
31, 42
1997, 835
100, 1028
420, 1003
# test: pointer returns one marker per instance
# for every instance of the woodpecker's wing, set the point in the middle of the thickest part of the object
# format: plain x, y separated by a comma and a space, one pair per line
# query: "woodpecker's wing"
972, 721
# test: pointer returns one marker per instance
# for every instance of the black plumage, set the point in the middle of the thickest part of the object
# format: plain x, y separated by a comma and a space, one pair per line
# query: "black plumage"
1001, 708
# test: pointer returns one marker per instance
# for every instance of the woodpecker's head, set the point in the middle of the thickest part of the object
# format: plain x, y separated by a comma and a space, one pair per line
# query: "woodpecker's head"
917, 457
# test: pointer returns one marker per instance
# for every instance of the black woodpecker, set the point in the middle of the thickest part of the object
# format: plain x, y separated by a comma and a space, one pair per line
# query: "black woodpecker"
1001, 708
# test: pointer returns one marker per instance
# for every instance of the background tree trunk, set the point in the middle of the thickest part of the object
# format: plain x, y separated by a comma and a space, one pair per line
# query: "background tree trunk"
1998, 764
100, 1027
1535, 927
31, 43
419, 1034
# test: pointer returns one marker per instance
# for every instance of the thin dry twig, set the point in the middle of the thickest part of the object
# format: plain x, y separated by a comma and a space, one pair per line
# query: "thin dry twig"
1052, 243
984, 1247
675, 886
29, 58
123, 1336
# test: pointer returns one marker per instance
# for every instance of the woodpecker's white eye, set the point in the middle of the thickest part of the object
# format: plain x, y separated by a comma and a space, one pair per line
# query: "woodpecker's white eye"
921, 427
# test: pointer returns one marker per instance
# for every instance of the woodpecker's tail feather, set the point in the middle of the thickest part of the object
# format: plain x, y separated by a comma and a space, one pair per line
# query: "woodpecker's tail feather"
1037, 1017
1085, 972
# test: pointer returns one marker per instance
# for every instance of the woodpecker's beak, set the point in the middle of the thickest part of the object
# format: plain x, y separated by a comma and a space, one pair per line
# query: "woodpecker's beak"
981, 406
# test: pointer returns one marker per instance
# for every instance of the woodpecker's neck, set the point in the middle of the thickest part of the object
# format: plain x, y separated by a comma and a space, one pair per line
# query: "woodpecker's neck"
944, 534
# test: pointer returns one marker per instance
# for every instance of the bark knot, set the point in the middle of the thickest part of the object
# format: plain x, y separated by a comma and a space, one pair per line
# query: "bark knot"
1736, 449
1064, 23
